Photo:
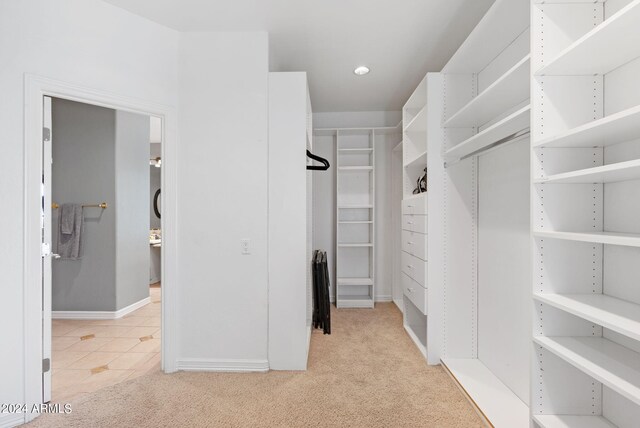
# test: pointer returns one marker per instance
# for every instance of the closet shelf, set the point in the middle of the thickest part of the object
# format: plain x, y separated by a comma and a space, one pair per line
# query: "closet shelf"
607, 362
354, 207
615, 314
499, 404
622, 171
355, 222
364, 151
415, 337
513, 123
355, 281
508, 91
418, 123
572, 421
500, 26
613, 129
421, 159
611, 238
355, 302
355, 169
365, 245
605, 48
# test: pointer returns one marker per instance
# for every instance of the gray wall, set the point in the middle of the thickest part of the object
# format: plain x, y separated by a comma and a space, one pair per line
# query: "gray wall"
155, 269
155, 174
84, 172
132, 208
89, 145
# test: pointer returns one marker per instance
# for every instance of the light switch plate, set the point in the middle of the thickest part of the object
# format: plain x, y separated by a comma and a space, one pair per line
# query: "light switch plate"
244, 246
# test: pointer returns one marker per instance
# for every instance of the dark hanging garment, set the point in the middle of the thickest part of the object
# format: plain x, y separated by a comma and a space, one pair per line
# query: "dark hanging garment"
321, 286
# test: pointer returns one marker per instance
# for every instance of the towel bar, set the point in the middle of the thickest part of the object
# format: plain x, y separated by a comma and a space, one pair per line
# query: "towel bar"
102, 205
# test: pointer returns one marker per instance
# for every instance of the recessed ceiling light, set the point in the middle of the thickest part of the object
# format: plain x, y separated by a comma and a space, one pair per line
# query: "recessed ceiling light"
361, 71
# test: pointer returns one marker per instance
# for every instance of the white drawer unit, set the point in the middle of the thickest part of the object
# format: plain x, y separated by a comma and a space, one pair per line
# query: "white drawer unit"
415, 244
415, 268
415, 292
414, 223
416, 205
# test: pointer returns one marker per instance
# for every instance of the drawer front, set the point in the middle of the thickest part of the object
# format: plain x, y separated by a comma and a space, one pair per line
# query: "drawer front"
415, 268
415, 292
414, 223
415, 244
415, 205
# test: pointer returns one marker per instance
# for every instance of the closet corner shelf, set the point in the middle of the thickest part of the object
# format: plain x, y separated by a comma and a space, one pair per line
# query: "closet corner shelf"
508, 91
592, 54
497, 402
622, 171
421, 159
607, 362
572, 421
511, 124
418, 123
610, 238
613, 129
615, 314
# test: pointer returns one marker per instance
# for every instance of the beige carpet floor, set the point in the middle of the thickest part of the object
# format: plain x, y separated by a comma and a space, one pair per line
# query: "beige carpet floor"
366, 374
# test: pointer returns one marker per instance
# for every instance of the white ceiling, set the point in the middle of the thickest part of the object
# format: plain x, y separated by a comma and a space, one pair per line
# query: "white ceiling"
400, 40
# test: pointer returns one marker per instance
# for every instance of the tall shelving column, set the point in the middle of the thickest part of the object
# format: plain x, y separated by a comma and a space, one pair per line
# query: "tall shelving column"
482, 139
355, 237
585, 210
414, 218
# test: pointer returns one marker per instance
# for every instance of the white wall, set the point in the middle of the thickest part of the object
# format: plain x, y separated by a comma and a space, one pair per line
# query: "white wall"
85, 42
356, 119
223, 118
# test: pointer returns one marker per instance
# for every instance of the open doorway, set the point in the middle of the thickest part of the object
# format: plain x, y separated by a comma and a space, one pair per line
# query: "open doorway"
98, 210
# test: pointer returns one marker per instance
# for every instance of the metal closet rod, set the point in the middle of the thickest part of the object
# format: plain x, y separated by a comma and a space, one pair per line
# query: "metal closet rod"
513, 137
102, 205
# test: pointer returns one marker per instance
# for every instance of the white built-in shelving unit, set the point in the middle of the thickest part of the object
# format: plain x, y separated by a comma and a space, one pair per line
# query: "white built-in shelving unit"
355, 210
414, 274
585, 210
355, 234
478, 135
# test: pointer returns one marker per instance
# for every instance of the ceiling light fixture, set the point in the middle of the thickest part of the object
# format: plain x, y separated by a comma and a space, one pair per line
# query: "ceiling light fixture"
361, 71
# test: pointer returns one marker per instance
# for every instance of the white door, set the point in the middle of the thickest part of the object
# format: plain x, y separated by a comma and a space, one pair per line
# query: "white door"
47, 250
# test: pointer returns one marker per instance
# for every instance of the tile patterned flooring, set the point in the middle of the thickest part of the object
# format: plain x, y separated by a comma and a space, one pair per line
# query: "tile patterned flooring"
92, 354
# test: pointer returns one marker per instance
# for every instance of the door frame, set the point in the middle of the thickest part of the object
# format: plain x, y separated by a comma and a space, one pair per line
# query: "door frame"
35, 88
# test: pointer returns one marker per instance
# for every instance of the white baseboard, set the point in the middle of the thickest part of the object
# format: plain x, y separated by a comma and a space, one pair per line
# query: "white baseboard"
10, 420
99, 315
206, 365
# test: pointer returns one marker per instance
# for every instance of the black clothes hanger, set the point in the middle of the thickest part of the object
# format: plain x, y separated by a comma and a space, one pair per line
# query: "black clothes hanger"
319, 159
